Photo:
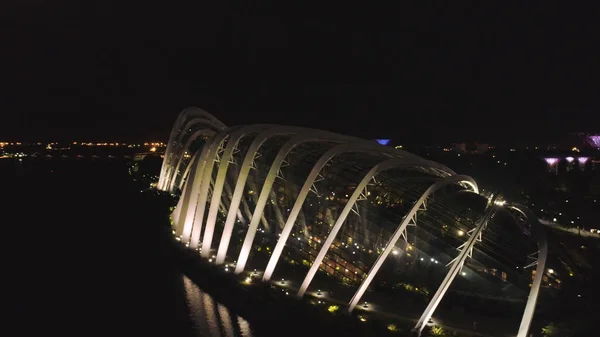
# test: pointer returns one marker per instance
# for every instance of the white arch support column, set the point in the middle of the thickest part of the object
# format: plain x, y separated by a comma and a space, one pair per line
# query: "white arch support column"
190, 203
190, 171
229, 194
267, 185
212, 156
540, 232
184, 200
189, 197
409, 219
183, 203
177, 131
313, 177
225, 159
187, 170
191, 112
179, 149
181, 183
191, 139
247, 164
358, 193
466, 250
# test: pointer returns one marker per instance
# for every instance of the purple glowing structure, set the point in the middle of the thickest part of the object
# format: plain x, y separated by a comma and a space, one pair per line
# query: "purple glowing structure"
582, 161
552, 164
383, 141
570, 160
594, 140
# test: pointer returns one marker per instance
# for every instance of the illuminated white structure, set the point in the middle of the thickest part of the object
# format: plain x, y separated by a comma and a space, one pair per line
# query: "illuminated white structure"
315, 193
193, 122
552, 164
570, 162
582, 161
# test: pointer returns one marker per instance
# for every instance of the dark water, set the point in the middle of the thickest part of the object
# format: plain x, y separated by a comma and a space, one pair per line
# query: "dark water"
82, 256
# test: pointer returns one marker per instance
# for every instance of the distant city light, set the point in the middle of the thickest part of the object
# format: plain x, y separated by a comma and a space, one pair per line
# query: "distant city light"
570, 159
551, 161
383, 141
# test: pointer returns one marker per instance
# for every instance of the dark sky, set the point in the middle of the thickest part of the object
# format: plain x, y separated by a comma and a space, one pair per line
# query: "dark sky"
123, 70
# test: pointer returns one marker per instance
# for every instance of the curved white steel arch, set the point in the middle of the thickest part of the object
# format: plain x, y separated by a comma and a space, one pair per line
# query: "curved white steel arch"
308, 135
177, 153
383, 166
195, 165
179, 131
456, 266
194, 170
540, 232
188, 143
312, 176
191, 169
190, 203
239, 188
188, 167
218, 186
185, 194
191, 112
411, 216
178, 149
187, 170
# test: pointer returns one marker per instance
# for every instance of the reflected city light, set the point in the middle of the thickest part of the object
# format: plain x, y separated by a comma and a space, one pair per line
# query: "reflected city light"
211, 318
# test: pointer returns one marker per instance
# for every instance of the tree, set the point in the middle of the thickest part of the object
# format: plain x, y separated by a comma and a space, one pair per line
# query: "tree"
555, 330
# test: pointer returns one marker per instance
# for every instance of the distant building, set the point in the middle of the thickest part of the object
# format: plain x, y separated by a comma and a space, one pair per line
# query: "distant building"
140, 156
474, 148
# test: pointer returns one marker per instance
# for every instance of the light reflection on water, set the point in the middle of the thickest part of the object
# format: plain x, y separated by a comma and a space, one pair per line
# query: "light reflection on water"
211, 318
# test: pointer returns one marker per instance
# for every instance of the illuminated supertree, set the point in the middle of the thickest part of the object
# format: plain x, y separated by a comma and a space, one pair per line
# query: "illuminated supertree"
570, 163
552, 163
594, 140
582, 161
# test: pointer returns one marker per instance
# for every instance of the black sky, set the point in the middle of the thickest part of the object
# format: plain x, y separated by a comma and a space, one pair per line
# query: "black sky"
123, 70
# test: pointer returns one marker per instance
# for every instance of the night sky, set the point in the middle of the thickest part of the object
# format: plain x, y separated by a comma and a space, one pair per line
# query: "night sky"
122, 70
